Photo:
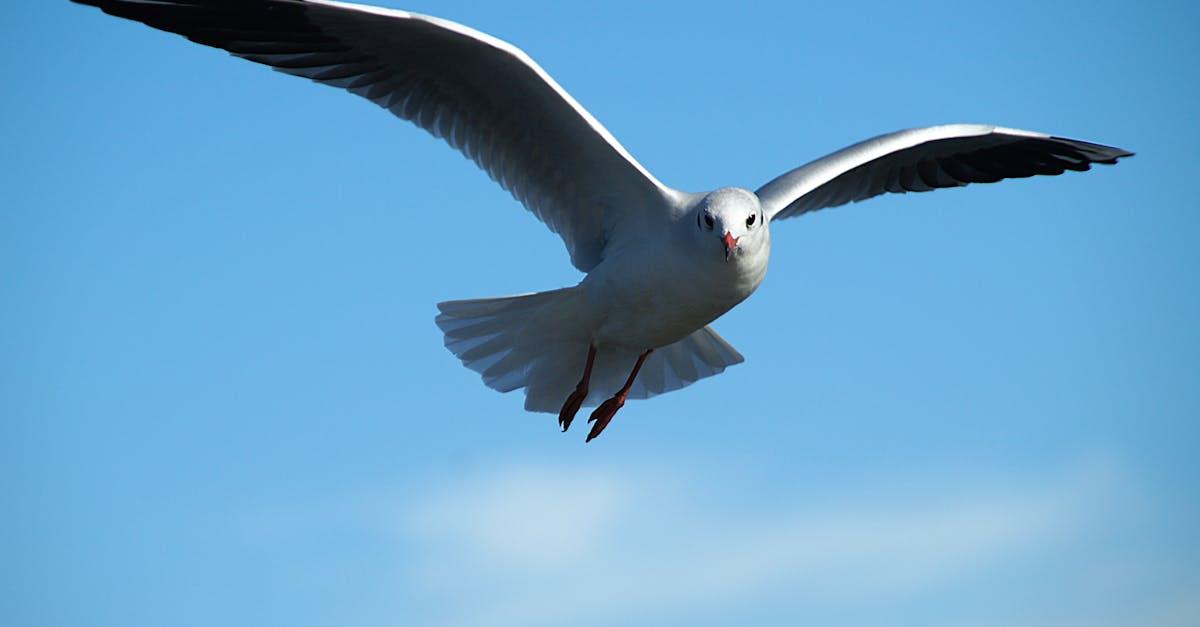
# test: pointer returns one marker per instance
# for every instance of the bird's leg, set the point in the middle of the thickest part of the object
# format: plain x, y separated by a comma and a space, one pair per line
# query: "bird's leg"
575, 400
608, 409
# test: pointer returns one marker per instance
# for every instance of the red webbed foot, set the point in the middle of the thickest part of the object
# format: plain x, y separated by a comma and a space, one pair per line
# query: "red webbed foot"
604, 414
571, 407
576, 398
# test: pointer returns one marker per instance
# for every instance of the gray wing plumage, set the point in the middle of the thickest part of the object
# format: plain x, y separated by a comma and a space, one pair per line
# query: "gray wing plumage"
484, 97
924, 159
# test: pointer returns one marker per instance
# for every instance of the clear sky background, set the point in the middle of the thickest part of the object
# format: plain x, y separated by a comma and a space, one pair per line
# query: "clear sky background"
223, 399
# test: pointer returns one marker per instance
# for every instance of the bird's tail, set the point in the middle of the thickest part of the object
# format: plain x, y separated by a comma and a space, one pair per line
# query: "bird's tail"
540, 342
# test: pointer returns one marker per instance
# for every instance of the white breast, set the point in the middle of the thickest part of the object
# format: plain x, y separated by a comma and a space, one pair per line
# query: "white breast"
646, 297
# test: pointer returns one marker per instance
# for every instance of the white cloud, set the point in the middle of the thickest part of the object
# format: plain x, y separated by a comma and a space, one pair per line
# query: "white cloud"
552, 545
523, 520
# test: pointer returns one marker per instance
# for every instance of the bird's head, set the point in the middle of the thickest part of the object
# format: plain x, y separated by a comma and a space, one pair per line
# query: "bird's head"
730, 223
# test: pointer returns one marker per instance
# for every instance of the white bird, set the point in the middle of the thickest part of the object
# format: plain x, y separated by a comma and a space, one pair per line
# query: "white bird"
661, 264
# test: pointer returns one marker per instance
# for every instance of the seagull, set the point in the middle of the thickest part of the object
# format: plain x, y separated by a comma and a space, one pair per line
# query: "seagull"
660, 264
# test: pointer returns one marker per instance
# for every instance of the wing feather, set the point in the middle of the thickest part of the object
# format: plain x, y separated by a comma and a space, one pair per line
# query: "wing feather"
925, 159
484, 97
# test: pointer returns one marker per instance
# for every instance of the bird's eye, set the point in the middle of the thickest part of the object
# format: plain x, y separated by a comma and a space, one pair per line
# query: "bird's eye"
708, 221
750, 220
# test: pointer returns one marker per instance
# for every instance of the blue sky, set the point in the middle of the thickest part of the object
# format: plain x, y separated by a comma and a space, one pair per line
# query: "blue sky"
223, 399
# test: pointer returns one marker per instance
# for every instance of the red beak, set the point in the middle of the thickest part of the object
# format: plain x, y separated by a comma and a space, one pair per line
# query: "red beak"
730, 244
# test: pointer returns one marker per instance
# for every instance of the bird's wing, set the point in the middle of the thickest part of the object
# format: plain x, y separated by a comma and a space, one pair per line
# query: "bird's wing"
924, 159
483, 96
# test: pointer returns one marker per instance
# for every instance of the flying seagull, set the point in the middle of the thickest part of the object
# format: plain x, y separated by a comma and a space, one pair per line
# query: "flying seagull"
660, 263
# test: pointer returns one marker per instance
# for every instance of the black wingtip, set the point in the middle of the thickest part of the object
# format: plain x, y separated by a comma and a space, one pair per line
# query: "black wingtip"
1097, 153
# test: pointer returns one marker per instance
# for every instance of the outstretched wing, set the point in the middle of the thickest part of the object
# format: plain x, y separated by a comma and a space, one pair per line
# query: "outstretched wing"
484, 97
924, 159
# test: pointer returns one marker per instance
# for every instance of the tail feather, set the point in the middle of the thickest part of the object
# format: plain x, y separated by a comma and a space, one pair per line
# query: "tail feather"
702, 354
540, 341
